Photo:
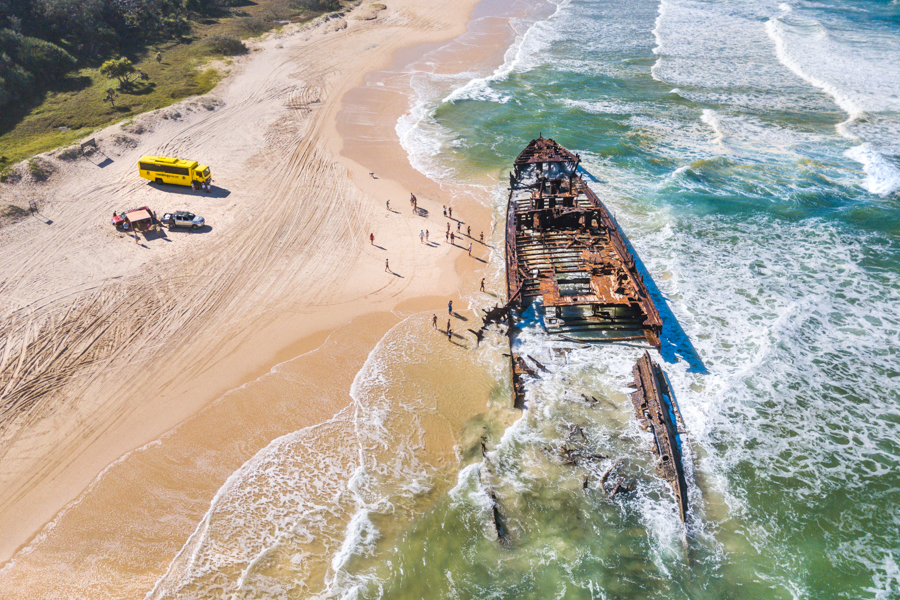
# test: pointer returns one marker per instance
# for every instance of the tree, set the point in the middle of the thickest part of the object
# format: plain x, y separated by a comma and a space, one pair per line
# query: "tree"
110, 96
120, 68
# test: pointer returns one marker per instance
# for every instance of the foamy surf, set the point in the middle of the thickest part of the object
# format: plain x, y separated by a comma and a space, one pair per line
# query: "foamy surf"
309, 510
857, 72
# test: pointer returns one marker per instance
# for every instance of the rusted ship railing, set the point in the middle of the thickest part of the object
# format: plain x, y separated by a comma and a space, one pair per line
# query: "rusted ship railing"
658, 413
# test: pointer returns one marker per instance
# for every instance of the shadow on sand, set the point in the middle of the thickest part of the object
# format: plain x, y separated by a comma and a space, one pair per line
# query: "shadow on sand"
183, 190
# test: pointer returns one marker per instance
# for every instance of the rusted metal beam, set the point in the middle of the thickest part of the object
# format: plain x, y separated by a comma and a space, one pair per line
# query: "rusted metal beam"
657, 412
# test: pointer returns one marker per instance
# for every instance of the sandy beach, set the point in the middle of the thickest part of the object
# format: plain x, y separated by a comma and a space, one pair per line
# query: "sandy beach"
109, 344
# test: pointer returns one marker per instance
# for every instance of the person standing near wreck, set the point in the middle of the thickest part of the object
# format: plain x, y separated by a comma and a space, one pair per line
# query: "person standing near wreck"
372, 238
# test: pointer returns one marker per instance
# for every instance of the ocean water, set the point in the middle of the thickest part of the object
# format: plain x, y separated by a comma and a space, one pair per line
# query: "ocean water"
750, 152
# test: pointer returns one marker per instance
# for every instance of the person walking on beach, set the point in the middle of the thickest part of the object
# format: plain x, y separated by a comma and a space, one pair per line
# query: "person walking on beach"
387, 266
482, 284
421, 237
469, 230
481, 237
448, 227
446, 236
450, 311
470, 248
426, 237
459, 226
445, 210
372, 238
450, 211
387, 205
452, 238
449, 331
434, 321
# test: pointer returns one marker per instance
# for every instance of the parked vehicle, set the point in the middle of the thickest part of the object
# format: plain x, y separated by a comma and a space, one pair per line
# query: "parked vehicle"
163, 169
183, 218
134, 219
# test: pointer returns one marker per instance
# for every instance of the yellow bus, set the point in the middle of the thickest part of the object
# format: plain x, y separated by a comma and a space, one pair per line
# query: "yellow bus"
162, 169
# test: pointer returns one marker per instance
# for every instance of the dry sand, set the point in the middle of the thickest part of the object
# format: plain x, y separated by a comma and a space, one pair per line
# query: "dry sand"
108, 344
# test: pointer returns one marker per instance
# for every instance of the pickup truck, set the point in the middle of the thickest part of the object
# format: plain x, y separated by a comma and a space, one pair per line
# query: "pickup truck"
182, 218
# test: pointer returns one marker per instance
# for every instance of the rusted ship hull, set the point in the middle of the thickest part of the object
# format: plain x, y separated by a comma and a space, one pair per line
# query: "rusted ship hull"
566, 253
657, 412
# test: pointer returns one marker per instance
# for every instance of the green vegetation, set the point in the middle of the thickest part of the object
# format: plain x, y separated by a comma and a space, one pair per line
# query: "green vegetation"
38, 170
225, 45
58, 59
10, 213
120, 68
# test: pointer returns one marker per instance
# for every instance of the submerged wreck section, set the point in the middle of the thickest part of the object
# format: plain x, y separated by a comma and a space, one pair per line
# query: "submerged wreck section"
567, 258
658, 413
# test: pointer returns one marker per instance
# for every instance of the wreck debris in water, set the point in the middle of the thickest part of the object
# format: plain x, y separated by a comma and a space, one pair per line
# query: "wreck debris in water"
658, 413
565, 253
570, 270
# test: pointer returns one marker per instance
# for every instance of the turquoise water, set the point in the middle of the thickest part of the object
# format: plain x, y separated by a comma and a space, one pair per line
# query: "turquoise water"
751, 152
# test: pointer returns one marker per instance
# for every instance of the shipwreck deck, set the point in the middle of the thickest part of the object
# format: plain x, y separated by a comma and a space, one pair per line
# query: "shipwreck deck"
565, 249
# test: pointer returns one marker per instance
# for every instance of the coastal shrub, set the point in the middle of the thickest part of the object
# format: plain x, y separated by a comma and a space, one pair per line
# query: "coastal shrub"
316, 5
10, 213
26, 63
69, 153
118, 68
39, 171
252, 26
225, 45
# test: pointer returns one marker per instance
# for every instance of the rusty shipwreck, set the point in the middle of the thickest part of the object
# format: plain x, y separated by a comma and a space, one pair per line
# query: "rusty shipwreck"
566, 253
569, 267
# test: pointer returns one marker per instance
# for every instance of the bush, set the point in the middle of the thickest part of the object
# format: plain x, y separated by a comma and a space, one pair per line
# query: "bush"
119, 68
69, 153
26, 62
253, 26
317, 5
225, 45
37, 170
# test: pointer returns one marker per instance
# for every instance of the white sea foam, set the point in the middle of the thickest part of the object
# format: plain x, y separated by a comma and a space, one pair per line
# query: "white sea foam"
274, 508
607, 107
857, 70
421, 136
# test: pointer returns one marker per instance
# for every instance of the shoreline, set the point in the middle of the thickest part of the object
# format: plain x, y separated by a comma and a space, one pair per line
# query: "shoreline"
225, 370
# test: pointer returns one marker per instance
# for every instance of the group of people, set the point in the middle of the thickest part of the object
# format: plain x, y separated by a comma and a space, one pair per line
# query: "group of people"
203, 186
424, 234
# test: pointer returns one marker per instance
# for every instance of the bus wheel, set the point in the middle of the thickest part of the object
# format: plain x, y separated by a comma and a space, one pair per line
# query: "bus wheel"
159, 181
